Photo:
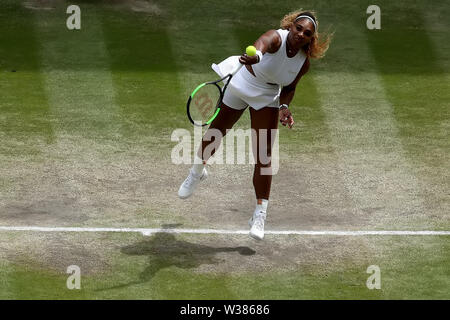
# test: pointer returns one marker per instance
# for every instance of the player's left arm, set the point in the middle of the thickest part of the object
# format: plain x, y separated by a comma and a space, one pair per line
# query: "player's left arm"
287, 94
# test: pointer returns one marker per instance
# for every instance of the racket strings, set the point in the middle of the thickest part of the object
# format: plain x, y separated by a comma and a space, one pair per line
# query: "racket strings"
204, 103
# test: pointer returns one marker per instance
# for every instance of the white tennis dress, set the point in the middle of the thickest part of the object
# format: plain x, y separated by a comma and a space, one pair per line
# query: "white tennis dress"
275, 71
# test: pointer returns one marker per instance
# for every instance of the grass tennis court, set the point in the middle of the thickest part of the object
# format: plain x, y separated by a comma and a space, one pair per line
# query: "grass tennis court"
86, 118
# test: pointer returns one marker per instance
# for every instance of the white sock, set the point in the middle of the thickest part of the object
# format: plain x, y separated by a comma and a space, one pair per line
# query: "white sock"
261, 208
197, 168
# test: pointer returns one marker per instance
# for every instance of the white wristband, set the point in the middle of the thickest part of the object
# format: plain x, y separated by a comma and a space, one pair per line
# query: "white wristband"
259, 54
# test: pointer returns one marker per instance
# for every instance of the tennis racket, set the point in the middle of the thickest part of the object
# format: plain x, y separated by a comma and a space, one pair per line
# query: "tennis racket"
203, 103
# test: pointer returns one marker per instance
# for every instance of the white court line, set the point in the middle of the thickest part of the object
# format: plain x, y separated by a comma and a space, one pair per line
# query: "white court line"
146, 231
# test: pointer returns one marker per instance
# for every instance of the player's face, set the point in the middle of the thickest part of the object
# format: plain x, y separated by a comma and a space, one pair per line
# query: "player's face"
302, 32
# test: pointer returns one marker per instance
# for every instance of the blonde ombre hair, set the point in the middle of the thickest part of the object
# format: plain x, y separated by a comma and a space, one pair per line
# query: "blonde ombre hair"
319, 42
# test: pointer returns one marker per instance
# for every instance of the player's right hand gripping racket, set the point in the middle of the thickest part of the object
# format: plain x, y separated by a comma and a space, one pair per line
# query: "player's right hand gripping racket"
203, 103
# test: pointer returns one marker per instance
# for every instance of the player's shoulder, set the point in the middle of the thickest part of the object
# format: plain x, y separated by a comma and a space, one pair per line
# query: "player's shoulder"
275, 39
275, 34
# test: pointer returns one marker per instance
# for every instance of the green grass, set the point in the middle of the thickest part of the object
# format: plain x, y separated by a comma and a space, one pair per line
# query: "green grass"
411, 268
415, 78
25, 115
121, 84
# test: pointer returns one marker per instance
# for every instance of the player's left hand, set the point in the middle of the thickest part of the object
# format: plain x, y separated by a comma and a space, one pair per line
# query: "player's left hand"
245, 59
286, 118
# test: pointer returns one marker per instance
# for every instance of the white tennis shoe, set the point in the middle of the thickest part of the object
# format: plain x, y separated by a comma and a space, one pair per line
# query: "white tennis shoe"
188, 186
256, 223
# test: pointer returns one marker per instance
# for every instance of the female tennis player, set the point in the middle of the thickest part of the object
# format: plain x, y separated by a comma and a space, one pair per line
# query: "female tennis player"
267, 84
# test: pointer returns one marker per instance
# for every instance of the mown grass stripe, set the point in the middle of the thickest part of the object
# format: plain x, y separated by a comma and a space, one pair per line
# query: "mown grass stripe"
365, 137
76, 69
144, 71
417, 86
25, 118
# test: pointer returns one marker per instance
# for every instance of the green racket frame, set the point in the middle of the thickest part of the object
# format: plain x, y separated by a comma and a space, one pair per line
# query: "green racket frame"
217, 110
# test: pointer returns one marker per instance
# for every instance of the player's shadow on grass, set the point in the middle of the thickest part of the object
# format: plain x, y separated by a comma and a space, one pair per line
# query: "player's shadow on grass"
164, 250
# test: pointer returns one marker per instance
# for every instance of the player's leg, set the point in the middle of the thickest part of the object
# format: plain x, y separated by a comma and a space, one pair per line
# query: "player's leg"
224, 121
264, 129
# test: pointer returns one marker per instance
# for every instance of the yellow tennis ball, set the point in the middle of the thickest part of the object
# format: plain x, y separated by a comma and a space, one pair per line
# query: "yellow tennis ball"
250, 51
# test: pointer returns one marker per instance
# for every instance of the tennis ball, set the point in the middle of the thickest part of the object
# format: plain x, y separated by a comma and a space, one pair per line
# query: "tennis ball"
250, 51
